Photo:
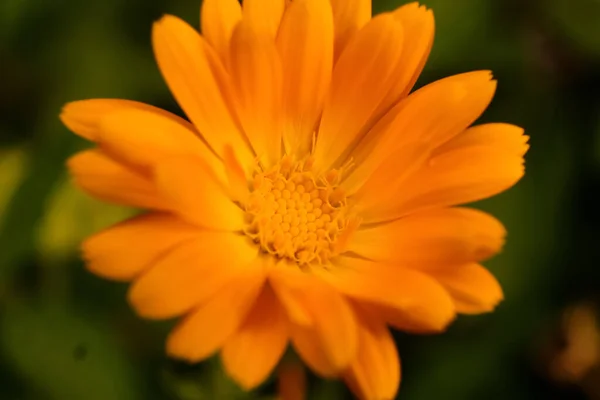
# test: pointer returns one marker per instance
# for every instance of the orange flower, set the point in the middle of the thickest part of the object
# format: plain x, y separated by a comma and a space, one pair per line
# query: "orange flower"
310, 200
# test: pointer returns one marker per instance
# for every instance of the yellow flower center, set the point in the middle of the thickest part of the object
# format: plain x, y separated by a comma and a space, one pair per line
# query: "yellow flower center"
296, 214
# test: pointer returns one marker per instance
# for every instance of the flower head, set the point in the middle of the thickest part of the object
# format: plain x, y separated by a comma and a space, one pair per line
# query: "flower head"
309, 199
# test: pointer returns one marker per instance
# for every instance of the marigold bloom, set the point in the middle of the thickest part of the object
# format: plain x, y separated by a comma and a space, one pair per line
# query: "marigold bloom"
309, 199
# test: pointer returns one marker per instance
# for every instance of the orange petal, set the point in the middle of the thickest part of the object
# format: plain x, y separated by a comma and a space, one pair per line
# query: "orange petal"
327, 340
142, 138
510, 138
198, 82
107, 179
418, 27
455, 177
418, 24
264, 15
308, 345
207, 329
257, 76
197, 195
83, 117
250, 355
305, 43
472, 287
349, 17
356, 93
432, 238
375, 374
123, 251
426, 119
219, 18
405, 298
190, 273
236, 176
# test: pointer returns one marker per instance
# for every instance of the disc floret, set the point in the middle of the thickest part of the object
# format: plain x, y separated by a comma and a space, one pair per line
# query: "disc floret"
297, 214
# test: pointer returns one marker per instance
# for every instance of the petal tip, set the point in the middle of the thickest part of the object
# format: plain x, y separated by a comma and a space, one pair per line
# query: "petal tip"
174, 350
145, 307
166, 22
165, 18
247, 382
73, 116
493, 301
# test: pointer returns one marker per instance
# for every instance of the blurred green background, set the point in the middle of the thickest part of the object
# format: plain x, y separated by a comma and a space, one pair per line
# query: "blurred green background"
65, 334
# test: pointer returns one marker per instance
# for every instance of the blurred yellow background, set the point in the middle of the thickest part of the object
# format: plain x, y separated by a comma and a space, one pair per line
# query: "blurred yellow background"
67, 335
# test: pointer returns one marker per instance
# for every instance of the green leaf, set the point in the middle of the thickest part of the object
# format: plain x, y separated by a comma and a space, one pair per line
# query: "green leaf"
65, 356
13, 163
58, 236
